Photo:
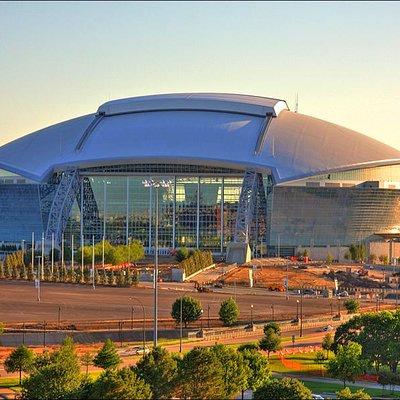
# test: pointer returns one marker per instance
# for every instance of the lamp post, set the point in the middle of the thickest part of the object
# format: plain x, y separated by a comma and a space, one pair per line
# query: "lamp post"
297, 310
144, 322
339, 307
251, 315
208, 316
156, 184
272, 312
93, 283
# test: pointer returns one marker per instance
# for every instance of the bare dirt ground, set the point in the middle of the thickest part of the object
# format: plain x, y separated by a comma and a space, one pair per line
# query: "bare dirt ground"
269, 274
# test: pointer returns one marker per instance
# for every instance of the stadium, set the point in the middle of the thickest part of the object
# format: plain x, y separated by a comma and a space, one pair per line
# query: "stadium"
238, 171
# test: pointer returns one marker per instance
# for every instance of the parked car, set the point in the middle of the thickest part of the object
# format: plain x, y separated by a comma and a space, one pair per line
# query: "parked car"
343, 294
317, 397
327, 328
135, 350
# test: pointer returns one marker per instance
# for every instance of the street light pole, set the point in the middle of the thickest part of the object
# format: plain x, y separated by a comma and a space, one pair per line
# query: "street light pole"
156, 184
144, 322
297, 310
301, 312
93, 283
251, 315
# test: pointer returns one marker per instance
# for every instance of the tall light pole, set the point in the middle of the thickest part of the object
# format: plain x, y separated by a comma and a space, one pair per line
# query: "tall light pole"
93, 284
156, 184
251, 315
297, 310
144, 322
82, 258
52, 253
72, 252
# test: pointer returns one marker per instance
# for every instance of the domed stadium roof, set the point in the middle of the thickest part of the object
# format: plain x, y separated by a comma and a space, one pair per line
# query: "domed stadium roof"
226, 130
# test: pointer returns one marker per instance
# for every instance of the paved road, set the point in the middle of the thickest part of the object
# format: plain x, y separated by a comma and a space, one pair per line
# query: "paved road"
81, 303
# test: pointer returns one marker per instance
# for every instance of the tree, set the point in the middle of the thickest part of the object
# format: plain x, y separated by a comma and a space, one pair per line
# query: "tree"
283, 389
107, 357
347, 364
352, 306
57, 376
235, 370
259, 368
347, 394
159, 370
271, 342
383, 258
377, 333
329, 258
200, 374
229, 312
87, 360
319, 359
191, 310
20, 360
372, 258
182, 254
248, 346
327, 343
119, 384
274, 326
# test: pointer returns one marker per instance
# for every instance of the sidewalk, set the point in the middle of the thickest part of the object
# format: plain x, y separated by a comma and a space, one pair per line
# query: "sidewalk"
363, 384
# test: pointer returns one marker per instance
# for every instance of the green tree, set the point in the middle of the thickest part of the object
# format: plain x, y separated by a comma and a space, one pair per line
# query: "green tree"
377, 333
107, 357
259, 368
57, 376
20, 360
87, 360
383, 258
229, 312
2, 275
347, 364
235, 369
271, 341
119, 384
191, 310
274, 326
159, 370
327, 343
347, 394
329, 258
200, 374
182, 254
352, 306
372, 258
283, 389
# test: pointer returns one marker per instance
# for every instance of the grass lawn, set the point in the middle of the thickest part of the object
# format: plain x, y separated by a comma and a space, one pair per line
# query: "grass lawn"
322, 387
298, 362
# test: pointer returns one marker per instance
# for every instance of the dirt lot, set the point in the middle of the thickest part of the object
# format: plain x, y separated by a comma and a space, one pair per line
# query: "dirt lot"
266, 275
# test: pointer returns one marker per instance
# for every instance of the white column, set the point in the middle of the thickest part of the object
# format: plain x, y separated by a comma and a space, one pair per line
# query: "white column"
173, 215
82, 207
72, 252
150, 215
198, 214
33, 251
222, 214
42, 272
52, 253
127, 211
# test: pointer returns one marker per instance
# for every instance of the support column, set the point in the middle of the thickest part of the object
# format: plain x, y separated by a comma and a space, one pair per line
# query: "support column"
174, 215
198, 214
127, 211
222, 214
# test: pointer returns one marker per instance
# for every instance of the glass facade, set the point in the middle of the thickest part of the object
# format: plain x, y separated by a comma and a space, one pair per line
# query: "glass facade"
197, 211
311, 216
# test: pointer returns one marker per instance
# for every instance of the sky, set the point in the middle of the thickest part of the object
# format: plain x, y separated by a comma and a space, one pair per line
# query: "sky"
61, 60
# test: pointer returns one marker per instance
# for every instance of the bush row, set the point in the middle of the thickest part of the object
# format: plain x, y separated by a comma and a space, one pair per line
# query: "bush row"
197, 261
121, 277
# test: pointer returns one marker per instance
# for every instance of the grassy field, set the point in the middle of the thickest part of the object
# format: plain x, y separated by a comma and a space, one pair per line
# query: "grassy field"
322, 387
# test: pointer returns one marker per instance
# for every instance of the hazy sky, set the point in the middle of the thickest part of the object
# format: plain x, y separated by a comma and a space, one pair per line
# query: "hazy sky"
61, 60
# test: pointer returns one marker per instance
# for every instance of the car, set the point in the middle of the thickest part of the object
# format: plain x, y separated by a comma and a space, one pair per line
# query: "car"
327, 328
343, 294
135, 350
317, 397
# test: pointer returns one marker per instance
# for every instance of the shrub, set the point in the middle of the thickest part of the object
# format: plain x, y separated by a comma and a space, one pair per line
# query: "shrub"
352, 306
229, 312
